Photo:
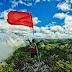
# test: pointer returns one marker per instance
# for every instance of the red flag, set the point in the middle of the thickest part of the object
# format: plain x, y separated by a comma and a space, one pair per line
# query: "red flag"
20, 18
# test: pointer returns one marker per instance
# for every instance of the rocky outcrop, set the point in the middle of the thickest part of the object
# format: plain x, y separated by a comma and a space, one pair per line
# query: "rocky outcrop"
35, 67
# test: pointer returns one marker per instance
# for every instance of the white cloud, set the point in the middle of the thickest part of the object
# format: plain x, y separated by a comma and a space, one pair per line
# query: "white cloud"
23, 10
50, 35
71, 1
68, 31
29, 4
56, 28
59, 35
46, 27
39, 35
8, 43
36, 28
43, 29
64, 6
68, 24
67, 27
59, 15
26, 3
68, 20
43, 0
37, 1
20, 1
47, 31
53, 22
35, 20
67, 1
15, 3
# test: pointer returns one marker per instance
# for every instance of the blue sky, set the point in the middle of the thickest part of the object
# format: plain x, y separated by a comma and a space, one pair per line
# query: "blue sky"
51, 18
44, 10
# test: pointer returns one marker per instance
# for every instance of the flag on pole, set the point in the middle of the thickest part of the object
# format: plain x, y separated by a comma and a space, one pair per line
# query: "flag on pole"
20, 18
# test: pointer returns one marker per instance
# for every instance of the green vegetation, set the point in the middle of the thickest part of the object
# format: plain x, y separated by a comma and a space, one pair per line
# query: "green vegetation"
56, 53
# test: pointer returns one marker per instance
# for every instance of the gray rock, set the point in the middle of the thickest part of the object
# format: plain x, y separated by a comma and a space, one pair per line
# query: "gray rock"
30, 69
36, 67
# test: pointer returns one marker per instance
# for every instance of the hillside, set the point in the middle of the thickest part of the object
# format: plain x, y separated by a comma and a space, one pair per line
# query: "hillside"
57, 54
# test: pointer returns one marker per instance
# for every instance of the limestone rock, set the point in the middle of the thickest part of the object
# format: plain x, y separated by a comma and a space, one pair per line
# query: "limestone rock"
35, 67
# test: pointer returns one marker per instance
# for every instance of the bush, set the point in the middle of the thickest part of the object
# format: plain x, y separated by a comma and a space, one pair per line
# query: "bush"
8, 68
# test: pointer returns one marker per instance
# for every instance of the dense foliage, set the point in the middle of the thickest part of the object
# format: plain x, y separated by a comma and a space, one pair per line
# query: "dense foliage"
56, 53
